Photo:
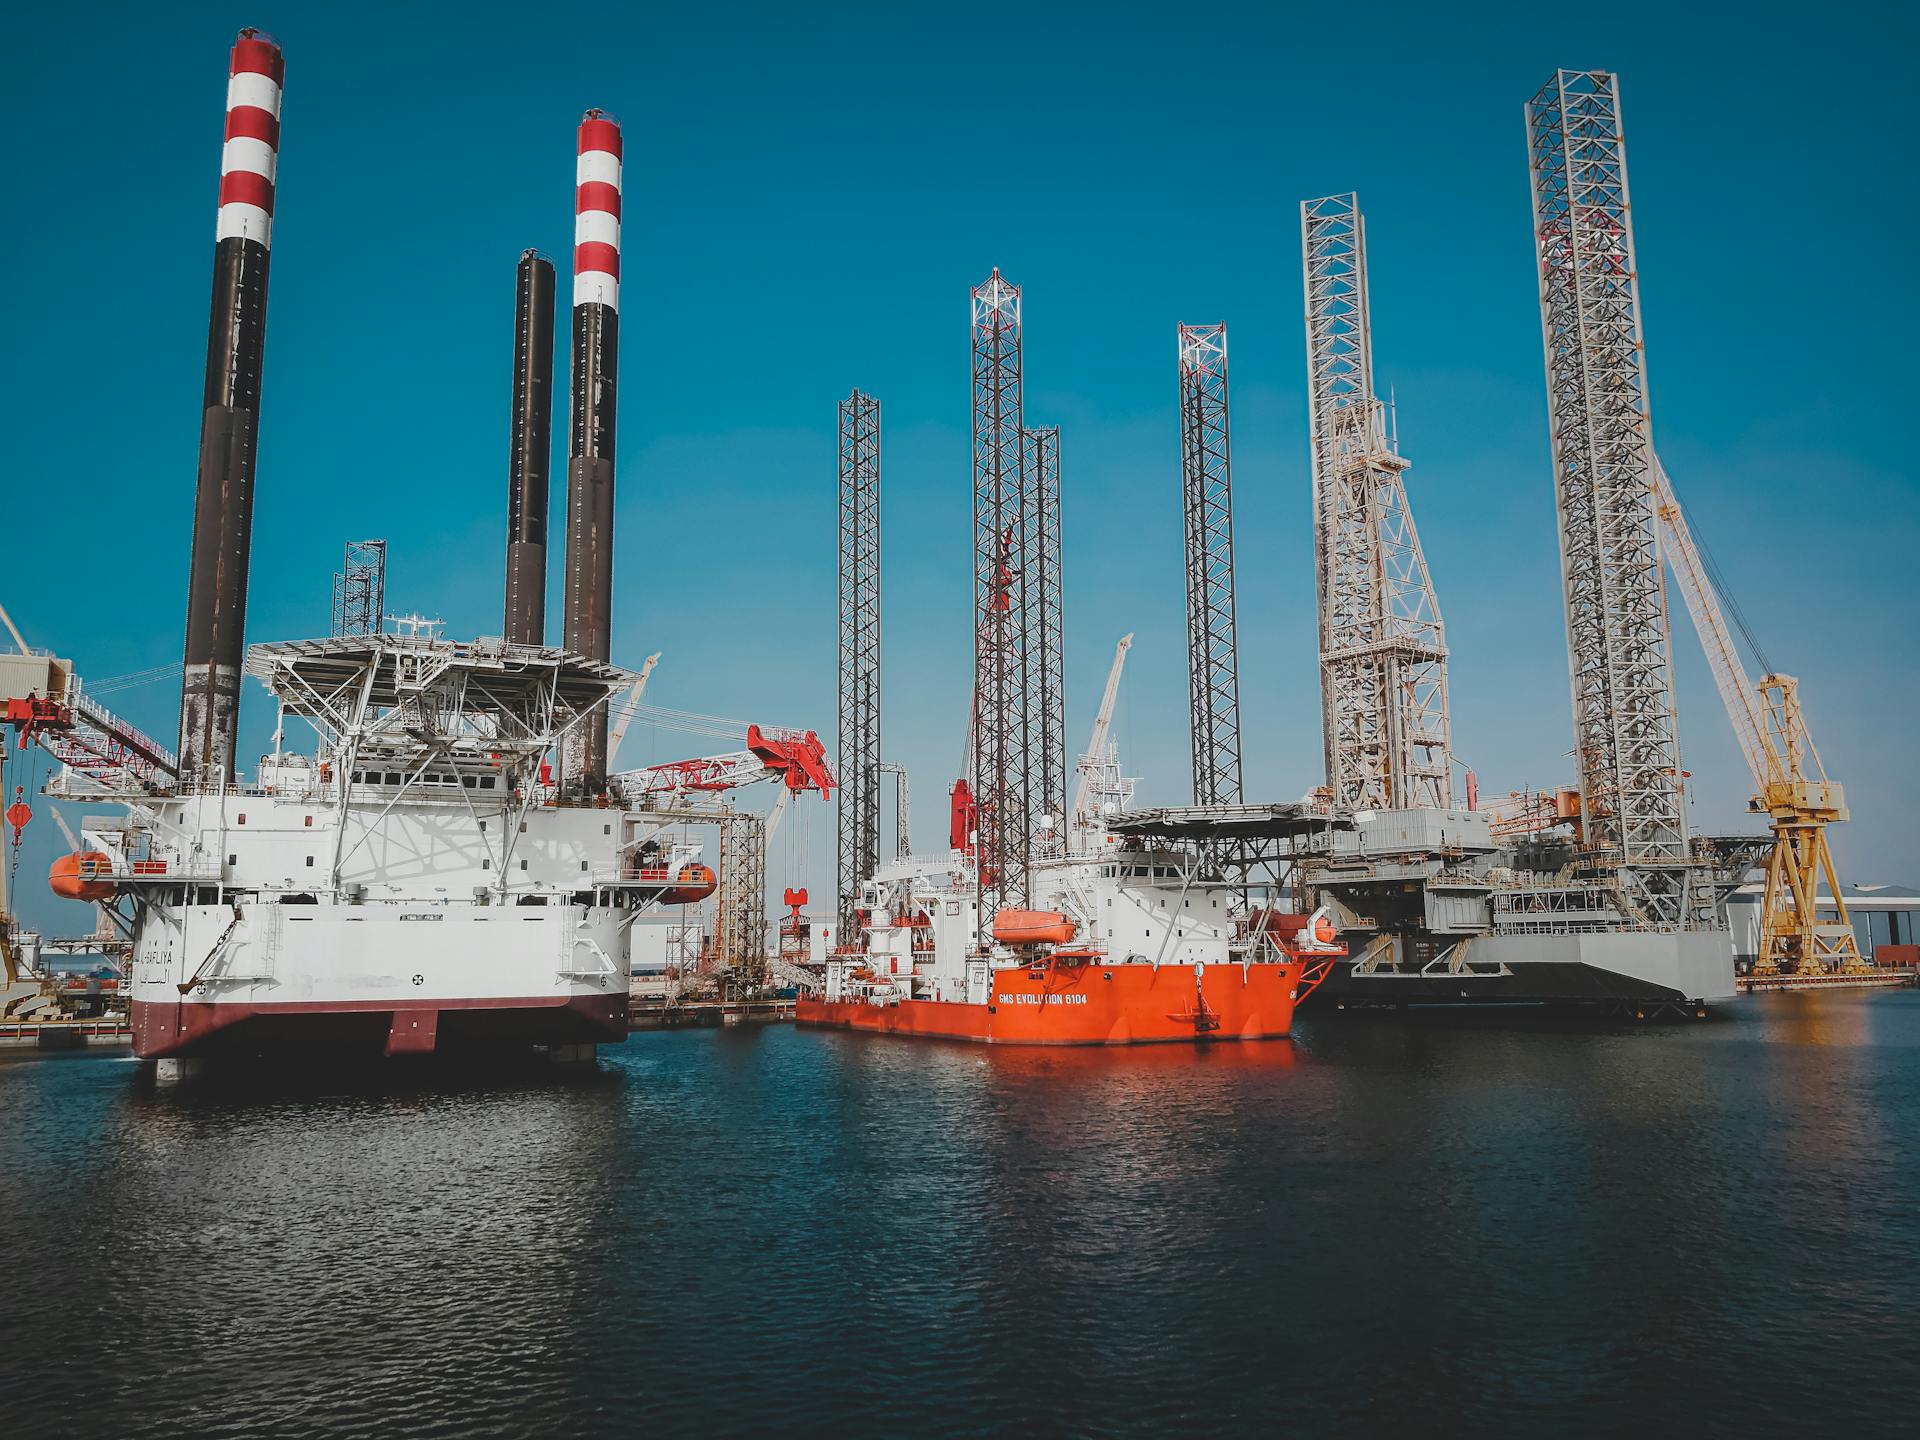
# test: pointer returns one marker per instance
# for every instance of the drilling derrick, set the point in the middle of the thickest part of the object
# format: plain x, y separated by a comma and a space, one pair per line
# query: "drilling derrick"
1626, 739
1383, 653
999, 763
859, 733
1206, 466
1043, 643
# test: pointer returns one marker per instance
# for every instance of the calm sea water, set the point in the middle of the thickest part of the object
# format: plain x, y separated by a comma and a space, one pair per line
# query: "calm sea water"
1381, 1226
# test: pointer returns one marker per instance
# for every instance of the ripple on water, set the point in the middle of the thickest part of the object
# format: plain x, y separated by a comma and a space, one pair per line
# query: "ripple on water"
1377, 1226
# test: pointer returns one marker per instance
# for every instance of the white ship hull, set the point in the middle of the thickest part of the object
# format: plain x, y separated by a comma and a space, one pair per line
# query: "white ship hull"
390, 977
419, 888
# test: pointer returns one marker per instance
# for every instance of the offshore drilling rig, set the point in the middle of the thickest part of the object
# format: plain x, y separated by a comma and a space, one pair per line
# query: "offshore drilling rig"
1624, 911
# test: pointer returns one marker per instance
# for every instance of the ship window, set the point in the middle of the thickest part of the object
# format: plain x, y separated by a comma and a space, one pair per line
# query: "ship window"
606, 829
309, 822
523, 827
489, 782
472, 782
483, 827
243, 817
309, 862
523, 864
583, 864
233, 859
393, 777
486, 864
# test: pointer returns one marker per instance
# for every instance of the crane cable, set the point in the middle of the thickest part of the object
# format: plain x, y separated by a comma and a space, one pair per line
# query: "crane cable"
1728, 604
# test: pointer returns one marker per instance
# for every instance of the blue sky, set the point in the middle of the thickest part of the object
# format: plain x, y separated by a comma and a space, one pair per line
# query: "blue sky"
809, 194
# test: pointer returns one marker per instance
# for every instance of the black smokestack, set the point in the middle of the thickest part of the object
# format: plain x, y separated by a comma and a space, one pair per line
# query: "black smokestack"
526, 617
596, 334
230, 422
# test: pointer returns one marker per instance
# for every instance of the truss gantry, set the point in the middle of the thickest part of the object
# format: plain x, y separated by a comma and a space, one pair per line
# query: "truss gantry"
858, 828
1383, 653
1206, 468
1619, 647
1000, 730
1042, 642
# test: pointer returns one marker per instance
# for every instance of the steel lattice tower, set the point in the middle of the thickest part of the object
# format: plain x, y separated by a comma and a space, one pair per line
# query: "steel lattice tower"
1618, 642
1383, 652
740, 909
859, 733
1043, 642
999, 759
1206, 466
360, 589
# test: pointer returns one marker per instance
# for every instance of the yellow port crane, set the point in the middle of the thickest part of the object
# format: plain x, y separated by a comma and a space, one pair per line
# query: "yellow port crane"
1790, 784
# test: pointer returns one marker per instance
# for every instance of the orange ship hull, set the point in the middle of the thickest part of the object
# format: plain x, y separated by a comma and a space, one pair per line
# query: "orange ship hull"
1091, 1004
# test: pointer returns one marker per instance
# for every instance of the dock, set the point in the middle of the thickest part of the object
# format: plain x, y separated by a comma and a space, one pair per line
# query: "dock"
65, 1034
1883, 978
706, 1014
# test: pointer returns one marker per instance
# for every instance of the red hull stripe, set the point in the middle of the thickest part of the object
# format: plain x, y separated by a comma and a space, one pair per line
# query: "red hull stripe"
243, 187
600, 135
595, 256
597, 195
250, 122
258, 57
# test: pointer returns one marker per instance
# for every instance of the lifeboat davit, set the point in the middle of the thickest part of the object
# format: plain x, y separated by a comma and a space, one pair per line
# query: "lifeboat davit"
83, 875
1033, 927
692, 885
1305, 932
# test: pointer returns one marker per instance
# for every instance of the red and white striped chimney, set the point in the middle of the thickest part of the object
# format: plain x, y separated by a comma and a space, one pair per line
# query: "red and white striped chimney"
596, 213
230, 416
596, 374
253, 140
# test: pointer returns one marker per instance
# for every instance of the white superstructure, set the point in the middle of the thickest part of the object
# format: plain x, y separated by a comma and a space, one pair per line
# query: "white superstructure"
416, 884
1131, 904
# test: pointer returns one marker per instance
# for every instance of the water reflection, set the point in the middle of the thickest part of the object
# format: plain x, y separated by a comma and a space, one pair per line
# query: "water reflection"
1377, 1227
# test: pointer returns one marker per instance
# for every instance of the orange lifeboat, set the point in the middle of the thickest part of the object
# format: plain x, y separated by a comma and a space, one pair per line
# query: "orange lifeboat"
692, 885
79, 876
1033, 927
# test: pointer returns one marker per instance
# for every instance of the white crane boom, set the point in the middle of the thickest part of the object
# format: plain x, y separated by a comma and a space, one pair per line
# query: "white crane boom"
1737, 692
632, 705
1097, 742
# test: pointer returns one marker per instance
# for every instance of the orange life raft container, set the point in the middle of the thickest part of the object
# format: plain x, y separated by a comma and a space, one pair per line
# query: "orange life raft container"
83, 875
1033, 927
